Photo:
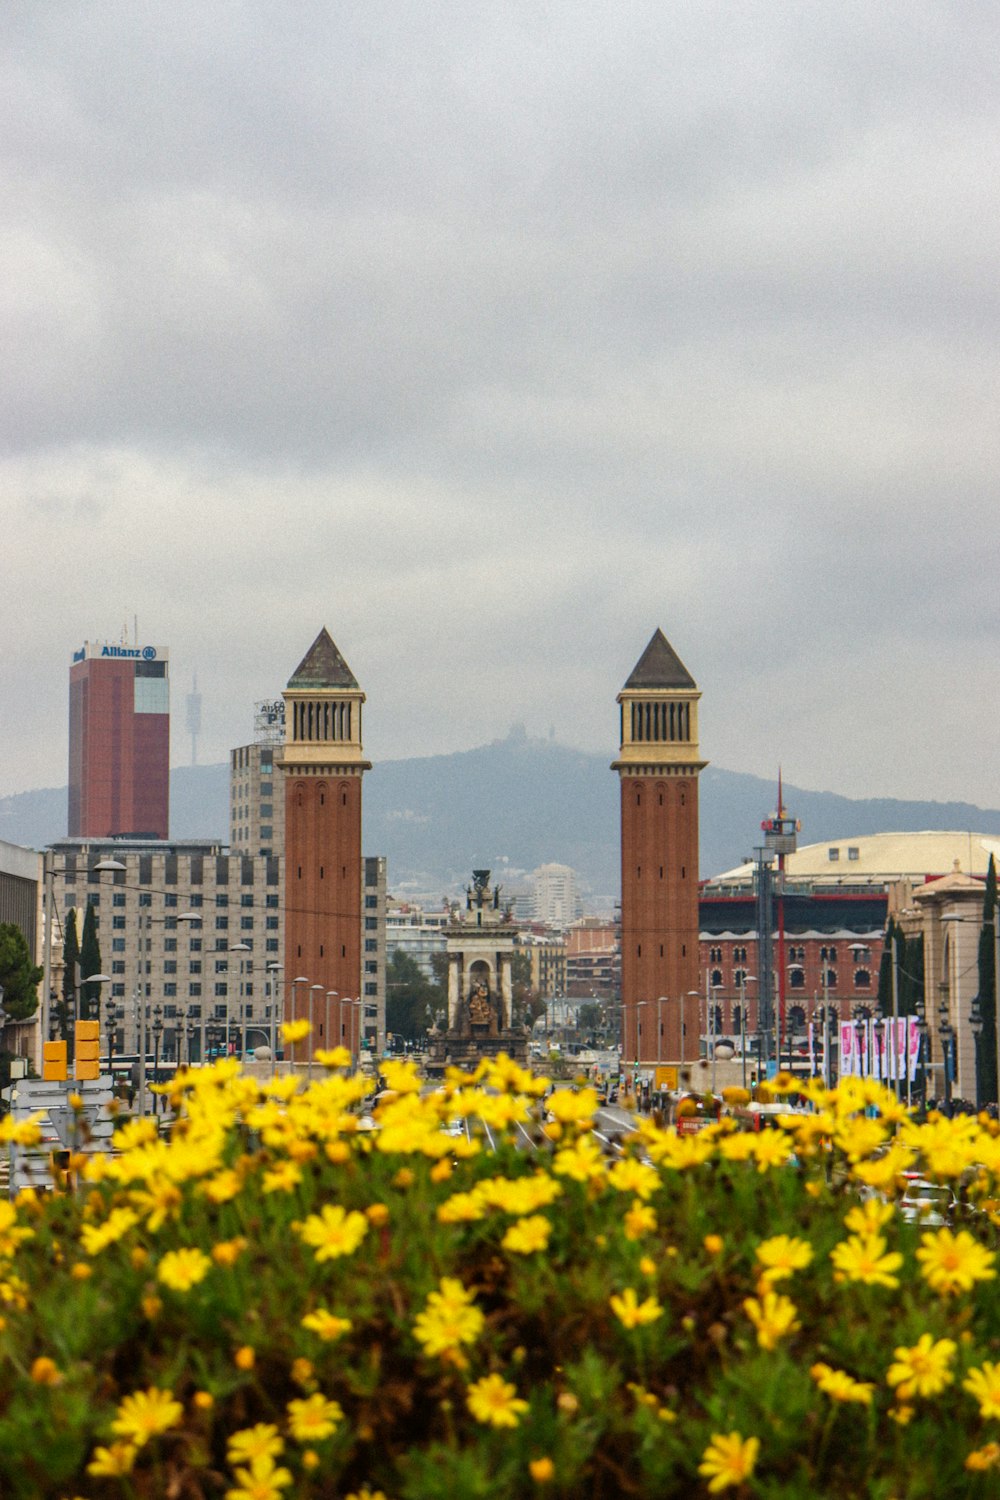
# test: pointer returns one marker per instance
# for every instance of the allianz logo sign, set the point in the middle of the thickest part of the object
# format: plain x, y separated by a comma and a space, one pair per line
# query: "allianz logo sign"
139, 653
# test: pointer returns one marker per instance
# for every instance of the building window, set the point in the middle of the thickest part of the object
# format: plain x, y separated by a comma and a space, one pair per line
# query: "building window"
221, 987
371, 945
371, 989
170, 989
716, 978
194, 967
371, 902
371, 924
118, 923
194, 989
797, 979
831, 979
145, 898
266, 831
170, 966
117, 899
271, 923
833, 855
862, 979
194, 946
221, 924
118, 966
271, 901
853, 852
170, 899
118, 989
118, 945
197, 899
246, 924
271, 945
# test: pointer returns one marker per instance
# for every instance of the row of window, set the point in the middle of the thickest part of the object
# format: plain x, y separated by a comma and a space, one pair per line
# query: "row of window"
796, 979
194, 868
196, 900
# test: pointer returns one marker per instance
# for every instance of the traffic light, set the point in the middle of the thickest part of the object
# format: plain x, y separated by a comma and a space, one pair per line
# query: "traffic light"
54, 1061
88, 1044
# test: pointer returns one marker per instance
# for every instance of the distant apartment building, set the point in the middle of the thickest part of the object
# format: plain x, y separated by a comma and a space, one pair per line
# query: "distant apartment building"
256, 802
418, 933
548, 964
187, 930
21, 891
593, 959
556, 897
119, 741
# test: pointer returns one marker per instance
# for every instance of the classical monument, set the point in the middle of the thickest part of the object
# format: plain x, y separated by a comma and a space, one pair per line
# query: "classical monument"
480, 946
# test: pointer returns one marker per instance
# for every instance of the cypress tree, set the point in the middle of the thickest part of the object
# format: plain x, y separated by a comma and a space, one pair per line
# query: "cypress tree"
71, 962
986, 1047
90, 963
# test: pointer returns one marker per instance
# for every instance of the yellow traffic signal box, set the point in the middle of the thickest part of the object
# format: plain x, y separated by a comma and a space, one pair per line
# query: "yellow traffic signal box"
54, 1060
88, 1045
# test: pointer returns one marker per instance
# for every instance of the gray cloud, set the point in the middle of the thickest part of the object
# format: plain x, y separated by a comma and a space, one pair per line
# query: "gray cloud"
493, 337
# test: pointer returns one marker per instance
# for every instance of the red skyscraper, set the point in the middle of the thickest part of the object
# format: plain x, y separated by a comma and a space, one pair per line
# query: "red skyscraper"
119, 741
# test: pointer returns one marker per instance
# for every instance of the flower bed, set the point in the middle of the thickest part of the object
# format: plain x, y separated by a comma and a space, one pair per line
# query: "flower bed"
276, 1303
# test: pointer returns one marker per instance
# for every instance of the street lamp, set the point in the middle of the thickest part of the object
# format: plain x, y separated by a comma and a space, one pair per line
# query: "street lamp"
330, 995
239, 948
946, 1032
742, 980
157, 1033
299, 979
314, 990
696, 995
273, 969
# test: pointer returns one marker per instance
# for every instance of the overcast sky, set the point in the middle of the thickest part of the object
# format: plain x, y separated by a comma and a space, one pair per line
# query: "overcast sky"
494, 336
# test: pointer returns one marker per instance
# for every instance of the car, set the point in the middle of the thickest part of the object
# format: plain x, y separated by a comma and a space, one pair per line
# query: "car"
927, 1203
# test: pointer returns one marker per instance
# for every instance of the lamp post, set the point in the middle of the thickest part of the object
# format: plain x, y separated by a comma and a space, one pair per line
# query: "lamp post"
299, 979
946, 1032
157, 1033
239, 948
314, 990
110, 1016
273, 969
742, 980
330, 995
691, 994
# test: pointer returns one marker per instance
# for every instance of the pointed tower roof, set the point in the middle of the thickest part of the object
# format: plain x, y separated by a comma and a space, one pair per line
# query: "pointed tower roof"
322, 667
659, 666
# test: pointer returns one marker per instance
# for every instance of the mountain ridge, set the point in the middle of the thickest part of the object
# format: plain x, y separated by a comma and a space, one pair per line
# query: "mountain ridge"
516, 803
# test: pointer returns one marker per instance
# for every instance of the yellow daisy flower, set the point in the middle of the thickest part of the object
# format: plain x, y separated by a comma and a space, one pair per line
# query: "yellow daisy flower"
728, 1460
494, 1401
313, 1418
954, 1262
840, 1386
146, 1414
182, 1269
527, 1235
631, 1312
923, 1369
864, 1258
333, 1231
774, 1316
984, 1384
782, 1255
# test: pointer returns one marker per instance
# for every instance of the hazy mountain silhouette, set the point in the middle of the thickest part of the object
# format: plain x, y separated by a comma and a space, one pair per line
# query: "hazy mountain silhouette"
515, 804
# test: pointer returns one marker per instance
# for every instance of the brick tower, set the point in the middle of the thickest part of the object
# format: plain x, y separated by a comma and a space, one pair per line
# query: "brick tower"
323, 762
658, 765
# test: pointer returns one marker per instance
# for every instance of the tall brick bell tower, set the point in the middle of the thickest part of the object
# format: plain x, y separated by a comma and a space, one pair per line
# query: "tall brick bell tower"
658, 765
322, 763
